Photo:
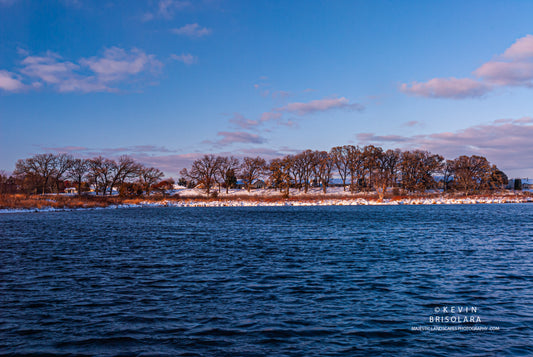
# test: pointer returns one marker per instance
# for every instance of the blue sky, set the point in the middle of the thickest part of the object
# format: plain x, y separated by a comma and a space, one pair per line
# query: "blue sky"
166, 81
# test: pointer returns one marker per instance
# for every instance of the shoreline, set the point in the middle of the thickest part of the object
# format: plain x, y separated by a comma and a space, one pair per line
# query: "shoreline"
70, 203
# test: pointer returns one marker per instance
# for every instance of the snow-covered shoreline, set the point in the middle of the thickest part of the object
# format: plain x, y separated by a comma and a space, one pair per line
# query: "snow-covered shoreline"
292, 202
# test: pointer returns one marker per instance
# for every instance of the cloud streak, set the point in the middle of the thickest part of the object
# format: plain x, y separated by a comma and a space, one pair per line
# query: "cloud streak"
166, 9
186, 58
232, 137
506, 142
242, 122
87, 152
513, 68
276, 115
192, 30
453, 88
319, 105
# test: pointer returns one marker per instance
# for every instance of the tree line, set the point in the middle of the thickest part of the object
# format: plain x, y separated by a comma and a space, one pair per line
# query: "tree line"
361, 169
50, 173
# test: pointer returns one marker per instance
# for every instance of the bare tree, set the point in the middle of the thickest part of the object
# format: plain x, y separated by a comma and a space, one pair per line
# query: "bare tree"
418, 168
385, 172
276, 178
78, 172
101, 173
341, 158
471, 173
371, 156
62, 163
356, 162
227, 171
323, 164
125, 169
203, 171
3, 182
280, 173
498, 179
252, 169
447, 174
149, 176
41, 166
303, 169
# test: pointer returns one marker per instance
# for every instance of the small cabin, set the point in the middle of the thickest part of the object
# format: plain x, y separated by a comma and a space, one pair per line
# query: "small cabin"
241, 184
71, 190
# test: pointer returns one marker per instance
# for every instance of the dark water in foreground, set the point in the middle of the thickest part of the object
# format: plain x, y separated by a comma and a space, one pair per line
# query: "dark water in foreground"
308, 281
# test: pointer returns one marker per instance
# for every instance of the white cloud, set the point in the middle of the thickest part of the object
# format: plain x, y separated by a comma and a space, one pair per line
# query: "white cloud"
94, 74
186, 58
49, 68
117, 63
9, 82
166, 8
192, 30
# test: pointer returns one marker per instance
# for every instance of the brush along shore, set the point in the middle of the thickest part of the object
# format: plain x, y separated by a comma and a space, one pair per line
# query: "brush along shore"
239, 198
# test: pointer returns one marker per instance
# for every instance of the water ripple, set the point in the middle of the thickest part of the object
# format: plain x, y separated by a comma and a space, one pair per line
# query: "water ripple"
284, 281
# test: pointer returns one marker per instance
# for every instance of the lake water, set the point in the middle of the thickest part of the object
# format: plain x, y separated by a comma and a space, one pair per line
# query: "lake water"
283, 281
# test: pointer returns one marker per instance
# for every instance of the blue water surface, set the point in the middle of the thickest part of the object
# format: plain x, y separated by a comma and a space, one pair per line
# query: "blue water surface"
268, 281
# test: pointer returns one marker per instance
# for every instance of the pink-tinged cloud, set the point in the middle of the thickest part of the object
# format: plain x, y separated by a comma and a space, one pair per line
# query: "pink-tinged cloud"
455, 88
281, 94
371, 137
186, 58
507, 73
192, 30
9, 82
68, 149
320, 105
507, 143
232, 137
520, 50
267, 116
242, 122
513, 68
412, 123
117, 151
